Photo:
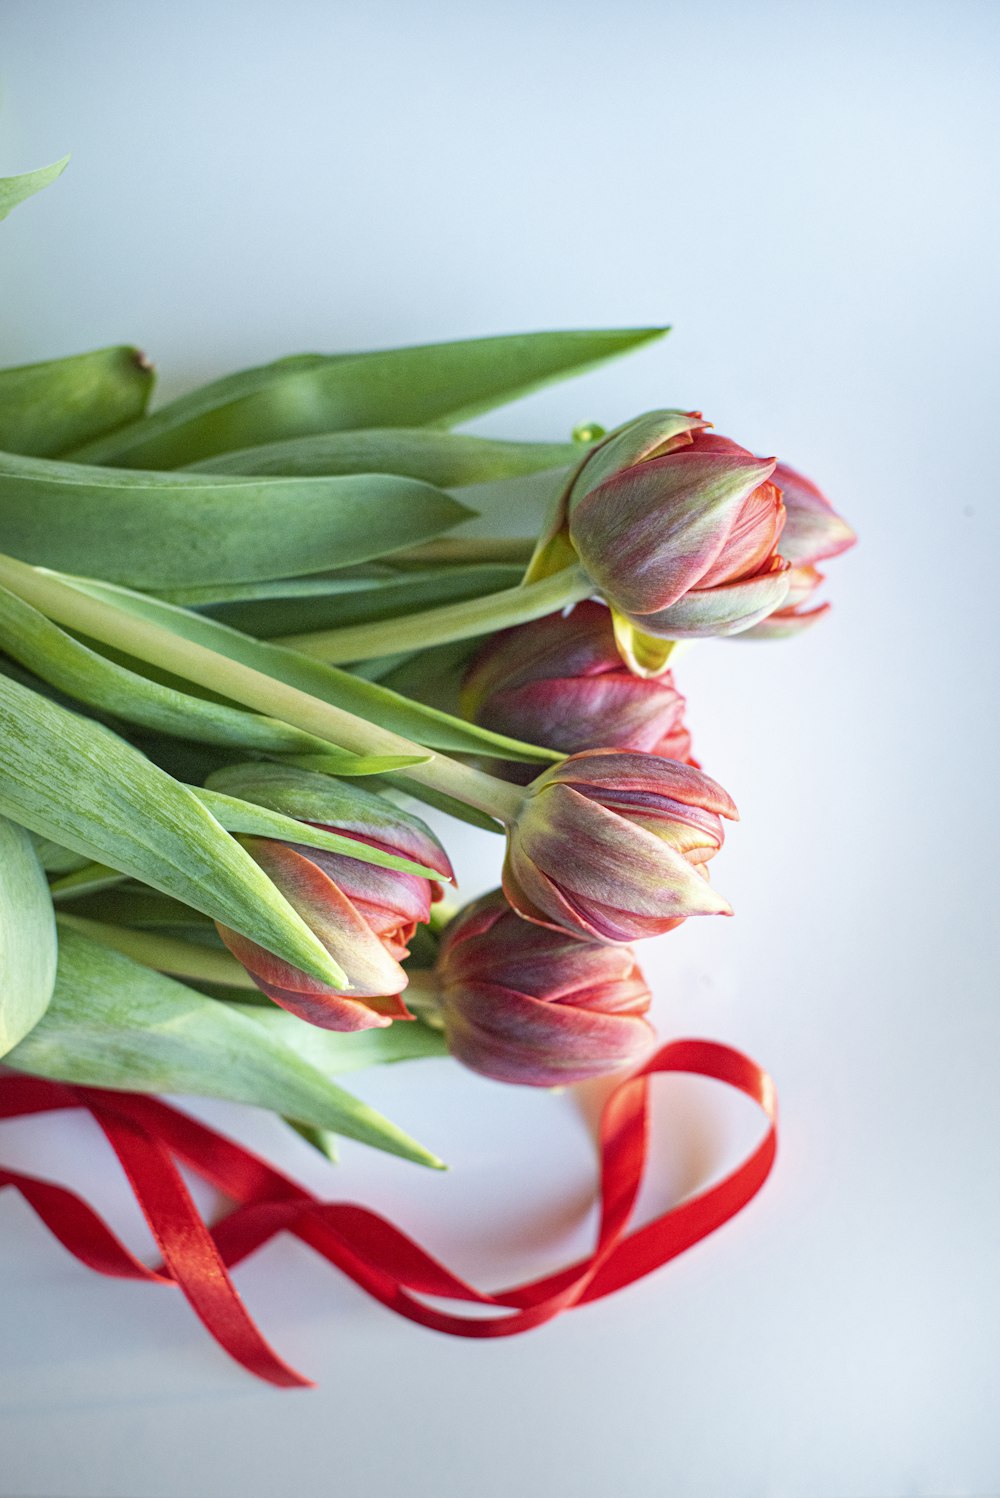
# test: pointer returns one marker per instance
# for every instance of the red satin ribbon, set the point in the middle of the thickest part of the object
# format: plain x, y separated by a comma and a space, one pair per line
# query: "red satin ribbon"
149, 1137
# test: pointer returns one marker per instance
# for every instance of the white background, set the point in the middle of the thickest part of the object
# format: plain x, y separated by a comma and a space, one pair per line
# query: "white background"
808, 195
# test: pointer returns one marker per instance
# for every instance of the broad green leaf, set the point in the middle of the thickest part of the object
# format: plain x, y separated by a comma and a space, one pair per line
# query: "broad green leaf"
321, 585
447, 459
334, 1054
14, 190
301, 609
162, 529
391, 710
69, 779
27, 937
91, 677
47, 408
437, 384
113, 1023
260, 821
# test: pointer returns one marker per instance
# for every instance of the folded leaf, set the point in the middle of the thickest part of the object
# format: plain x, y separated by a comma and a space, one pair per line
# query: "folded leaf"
163, 529
434, 384
113, 1023
47, 408
27, 937
14, 190
260, 821
69, 779
391, 710
447, 459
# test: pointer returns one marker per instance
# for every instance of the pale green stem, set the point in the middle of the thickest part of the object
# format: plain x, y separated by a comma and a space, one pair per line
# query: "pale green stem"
452, 621
421, 996
167, 954
56, 597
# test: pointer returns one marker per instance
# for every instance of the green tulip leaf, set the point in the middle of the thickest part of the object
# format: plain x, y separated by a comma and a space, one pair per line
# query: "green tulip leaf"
447, 459
300, 608
156, 530
438, 384
113, 1023
70, 779
27, 937
47, 408
15, 190
260, 821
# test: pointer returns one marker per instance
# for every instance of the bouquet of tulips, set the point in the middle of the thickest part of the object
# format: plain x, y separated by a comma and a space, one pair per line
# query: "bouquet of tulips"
244, 638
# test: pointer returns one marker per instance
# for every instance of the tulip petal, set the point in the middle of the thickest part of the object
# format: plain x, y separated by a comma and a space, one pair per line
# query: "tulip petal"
328, 912
724, 610
813, 529
650, 436
327, 1010
512, 1037
622, 770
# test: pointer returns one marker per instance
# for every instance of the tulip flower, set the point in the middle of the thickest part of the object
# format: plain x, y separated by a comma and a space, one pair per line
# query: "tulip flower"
523, 1003
364, 915
612, 845
678, 530
560, 682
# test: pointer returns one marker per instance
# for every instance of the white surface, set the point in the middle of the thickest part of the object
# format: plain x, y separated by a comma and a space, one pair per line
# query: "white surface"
809, 199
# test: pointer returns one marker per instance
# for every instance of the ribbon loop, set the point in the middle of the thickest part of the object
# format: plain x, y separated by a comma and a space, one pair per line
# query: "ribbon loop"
150, 1137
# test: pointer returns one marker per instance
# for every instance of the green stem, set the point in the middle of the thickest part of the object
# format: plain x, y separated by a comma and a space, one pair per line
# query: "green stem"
59, 600
166, 954
452, 621
421, 996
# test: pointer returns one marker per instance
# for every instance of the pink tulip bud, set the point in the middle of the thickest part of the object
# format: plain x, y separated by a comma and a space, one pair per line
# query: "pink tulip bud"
679, 529
560, 682
523, 1003
612, 845
363, 914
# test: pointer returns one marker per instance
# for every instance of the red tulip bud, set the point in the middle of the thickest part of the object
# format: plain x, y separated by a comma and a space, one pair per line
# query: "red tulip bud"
523, 1003
560, 682
612, 845
364, 915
